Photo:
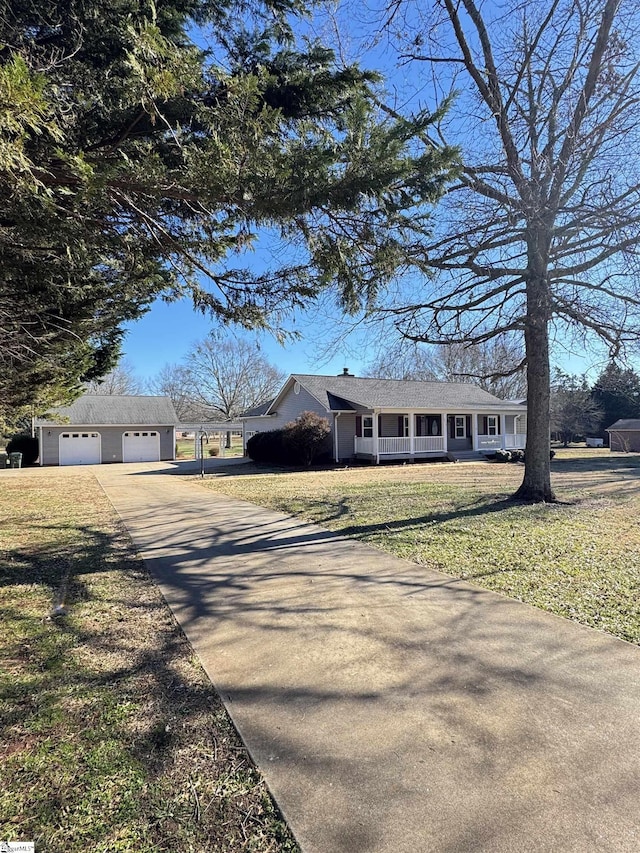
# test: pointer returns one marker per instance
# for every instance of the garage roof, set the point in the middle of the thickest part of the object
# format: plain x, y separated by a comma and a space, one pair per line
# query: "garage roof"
116, 409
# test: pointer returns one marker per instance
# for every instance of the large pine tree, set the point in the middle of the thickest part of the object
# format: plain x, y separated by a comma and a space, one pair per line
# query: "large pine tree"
143, 146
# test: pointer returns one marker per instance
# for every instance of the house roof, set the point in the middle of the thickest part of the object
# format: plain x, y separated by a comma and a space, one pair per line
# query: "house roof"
121, 410
257, 411
348, 393
625, 425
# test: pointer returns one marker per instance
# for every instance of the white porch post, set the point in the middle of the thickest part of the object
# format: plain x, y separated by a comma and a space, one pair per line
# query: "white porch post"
376, 437
445, 432
412, 432
336, 415
475, 430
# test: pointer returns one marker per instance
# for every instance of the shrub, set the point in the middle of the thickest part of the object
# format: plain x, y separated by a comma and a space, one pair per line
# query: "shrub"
213, 451
266, 447
306, 438
503, 456
27, 445
299, 442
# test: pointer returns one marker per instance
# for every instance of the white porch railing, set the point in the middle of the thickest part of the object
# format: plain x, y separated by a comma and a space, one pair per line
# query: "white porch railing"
506, 441
515, 441
490, 442
429, 443
394, 445
365, 445
391, 446
397, 445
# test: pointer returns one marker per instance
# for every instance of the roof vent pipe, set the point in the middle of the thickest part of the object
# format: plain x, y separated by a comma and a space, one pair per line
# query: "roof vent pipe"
345, 372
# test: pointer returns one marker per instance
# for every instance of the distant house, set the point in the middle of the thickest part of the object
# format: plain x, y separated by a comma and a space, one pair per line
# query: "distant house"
624, 435
379, 419
99, 428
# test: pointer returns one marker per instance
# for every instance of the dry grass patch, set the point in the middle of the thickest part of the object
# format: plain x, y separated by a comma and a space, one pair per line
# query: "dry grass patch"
577, 558
113, 739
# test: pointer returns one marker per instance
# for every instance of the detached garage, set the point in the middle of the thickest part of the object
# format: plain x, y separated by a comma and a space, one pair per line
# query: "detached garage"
97, 429
624, 435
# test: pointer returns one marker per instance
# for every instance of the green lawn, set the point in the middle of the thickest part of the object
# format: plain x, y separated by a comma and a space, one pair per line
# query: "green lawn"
185, 447
112, 739
577, 558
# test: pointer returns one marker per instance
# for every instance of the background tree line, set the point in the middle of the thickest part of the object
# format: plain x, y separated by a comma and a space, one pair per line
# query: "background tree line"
579, 410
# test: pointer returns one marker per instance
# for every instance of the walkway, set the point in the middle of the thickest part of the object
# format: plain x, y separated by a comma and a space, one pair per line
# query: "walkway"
391, 708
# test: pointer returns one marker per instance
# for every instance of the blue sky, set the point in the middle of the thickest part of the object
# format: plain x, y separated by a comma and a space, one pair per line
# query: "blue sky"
168, 331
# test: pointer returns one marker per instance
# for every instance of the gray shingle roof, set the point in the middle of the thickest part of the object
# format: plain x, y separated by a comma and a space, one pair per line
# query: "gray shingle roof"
626, 424
117, 409
346, 392
256, 411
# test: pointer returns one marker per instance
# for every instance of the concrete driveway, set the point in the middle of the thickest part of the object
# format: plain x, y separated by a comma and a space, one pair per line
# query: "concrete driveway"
389, 707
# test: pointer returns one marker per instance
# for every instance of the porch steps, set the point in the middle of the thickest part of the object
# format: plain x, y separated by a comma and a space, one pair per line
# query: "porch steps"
470, 456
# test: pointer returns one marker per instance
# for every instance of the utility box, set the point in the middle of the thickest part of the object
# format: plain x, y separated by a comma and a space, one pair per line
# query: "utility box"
15, 460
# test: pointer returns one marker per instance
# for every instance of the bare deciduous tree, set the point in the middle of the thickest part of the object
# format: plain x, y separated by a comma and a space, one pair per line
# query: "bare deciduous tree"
176, 382
541, 232
121, 380
496, 365
230, 375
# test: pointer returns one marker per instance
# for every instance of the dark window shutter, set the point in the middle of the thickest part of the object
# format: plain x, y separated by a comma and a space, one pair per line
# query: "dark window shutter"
400, 426
359, 426
485, 425
419, 425
379, 425
452, 427
499, 425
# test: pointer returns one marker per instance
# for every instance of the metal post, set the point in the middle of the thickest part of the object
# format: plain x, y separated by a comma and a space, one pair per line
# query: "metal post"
203, 437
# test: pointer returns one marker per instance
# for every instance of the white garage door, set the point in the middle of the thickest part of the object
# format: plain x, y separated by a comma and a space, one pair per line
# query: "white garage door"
141, 446
80, 448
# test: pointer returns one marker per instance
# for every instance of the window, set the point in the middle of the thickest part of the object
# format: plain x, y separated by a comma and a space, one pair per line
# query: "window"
492, 425
460, 429
367, 426
404, 426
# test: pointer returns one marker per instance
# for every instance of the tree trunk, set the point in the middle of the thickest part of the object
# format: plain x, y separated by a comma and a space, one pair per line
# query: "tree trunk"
536, 485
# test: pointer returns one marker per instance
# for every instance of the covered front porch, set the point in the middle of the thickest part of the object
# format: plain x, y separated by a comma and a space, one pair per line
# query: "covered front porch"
384, 436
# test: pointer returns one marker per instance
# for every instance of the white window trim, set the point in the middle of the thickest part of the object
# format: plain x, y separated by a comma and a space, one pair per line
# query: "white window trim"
367, 426
460, 422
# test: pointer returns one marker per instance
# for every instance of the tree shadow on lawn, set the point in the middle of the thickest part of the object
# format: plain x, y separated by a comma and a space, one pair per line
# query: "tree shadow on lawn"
586, 464
488, 505
463, 686
488, 682
114, 674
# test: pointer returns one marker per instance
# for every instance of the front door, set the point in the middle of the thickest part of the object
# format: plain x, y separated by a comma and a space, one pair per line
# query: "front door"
459, 433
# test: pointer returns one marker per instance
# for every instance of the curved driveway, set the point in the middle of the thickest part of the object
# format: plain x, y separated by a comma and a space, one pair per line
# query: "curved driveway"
389, 707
